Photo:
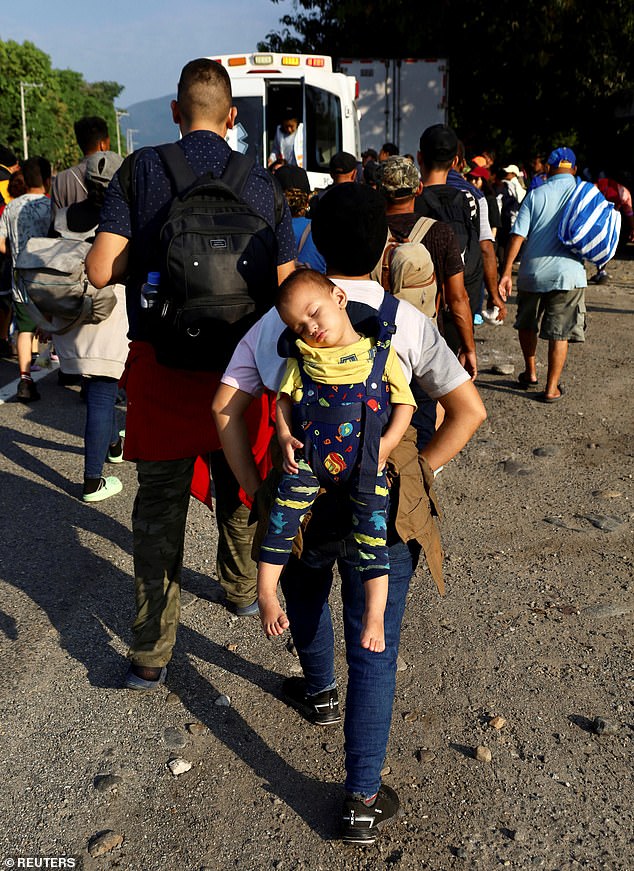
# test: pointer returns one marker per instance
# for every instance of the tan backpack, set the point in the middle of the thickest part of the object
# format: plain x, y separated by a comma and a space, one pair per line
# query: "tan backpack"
406, 269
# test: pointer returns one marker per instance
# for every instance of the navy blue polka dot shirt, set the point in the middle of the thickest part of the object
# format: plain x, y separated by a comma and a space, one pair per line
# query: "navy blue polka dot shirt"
141, 221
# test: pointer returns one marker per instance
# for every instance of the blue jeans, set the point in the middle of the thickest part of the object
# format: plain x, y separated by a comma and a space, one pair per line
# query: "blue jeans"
371, 676
101, 424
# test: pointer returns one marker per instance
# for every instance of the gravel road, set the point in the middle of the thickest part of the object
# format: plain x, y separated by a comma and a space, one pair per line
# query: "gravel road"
536, 630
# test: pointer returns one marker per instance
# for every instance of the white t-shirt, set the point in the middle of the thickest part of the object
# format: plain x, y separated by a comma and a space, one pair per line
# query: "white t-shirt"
421, 349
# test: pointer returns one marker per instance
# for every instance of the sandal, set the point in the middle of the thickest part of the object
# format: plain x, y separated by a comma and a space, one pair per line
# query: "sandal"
525, 383
550, 399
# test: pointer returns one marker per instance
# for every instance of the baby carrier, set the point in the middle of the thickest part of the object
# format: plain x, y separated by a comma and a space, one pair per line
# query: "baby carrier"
336, 421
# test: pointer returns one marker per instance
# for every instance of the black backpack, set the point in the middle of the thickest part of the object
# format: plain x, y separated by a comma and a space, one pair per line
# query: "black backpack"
218, 265
459, 209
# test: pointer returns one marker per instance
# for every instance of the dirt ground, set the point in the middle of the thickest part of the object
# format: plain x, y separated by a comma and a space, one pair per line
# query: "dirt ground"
536, 628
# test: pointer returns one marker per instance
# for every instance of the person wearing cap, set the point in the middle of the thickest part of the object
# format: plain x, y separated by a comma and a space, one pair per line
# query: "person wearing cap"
350, 228
551, 280
479, 176
69, 186
25, 217
399, 182
343, 167
96, 352
513, 179
288, 144
438, 158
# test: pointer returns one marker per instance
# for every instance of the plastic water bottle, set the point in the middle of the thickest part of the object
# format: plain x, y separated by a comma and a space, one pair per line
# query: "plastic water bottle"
149, 290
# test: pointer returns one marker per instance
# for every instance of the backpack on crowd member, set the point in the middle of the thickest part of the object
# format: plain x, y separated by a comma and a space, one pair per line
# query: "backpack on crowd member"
217, 259
590, 225
406, 269
50, 275
459, 209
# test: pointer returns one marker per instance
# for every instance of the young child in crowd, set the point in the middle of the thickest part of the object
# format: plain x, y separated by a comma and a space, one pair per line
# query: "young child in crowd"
342, 407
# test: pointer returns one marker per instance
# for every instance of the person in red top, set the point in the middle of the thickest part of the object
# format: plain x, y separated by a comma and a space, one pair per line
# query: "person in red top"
619, 195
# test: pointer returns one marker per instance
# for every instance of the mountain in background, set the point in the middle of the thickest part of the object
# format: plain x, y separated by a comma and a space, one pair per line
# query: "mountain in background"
149, 122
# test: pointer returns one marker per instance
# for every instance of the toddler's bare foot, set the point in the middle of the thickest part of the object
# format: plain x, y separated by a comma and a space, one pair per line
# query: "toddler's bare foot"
373, 633
274, 620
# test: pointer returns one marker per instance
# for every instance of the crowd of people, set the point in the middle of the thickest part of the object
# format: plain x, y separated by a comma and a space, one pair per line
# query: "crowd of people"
363, 361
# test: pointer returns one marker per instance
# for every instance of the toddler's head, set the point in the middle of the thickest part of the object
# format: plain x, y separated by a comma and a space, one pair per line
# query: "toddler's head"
315, 308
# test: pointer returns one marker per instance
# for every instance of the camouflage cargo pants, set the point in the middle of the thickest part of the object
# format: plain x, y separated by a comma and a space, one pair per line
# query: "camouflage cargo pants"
158, 527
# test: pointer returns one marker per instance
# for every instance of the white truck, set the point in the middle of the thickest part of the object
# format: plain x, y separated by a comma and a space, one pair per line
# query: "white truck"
267, 87
398, 99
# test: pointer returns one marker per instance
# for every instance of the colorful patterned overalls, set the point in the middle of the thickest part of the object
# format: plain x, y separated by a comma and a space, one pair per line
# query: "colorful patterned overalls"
340, 426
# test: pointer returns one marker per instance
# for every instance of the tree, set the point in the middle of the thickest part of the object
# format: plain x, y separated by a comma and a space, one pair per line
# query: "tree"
52, 109
522, 76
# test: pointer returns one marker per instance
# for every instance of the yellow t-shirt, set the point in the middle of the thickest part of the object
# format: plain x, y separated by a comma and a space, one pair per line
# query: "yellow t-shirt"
351, 364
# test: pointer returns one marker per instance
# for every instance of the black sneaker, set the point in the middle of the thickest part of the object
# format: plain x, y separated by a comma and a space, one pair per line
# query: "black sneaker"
115, 451
360, 823
322, 709
27, 391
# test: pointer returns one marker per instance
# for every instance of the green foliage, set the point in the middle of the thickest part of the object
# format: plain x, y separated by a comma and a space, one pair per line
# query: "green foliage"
522, 76
51, 109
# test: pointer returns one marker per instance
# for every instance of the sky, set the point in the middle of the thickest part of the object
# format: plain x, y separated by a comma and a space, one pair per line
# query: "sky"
142, 44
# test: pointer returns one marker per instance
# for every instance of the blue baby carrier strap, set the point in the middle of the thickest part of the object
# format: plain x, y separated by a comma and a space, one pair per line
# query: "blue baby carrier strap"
370, 407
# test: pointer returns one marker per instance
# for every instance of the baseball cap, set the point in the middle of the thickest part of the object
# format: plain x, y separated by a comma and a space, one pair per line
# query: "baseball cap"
438, 143
479, 160
479, 172
512, 167
562, 158
397, 177
293, 177
101, 166
342, 162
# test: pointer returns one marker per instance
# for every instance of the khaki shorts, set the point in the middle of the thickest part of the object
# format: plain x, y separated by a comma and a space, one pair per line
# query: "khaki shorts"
562, 314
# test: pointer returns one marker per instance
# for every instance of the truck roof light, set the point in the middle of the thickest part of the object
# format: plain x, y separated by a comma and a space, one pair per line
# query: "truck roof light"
236, 61
290, 61
263, 59
315, 62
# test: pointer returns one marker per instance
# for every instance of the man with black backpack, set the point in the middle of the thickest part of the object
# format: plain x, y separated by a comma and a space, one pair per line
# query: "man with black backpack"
201, 236
459, 208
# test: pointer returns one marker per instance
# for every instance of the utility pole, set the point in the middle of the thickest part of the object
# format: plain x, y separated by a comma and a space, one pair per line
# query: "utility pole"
119, 113
25, 139
130, 139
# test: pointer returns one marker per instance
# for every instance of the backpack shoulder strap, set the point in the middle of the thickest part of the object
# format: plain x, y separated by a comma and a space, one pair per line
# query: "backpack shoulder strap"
420, 229
176, 165
237, 171
303, 238
387, 319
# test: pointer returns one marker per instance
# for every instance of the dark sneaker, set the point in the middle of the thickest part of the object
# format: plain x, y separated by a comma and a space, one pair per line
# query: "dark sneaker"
115, 451
600, 277
251, 610
361, 823
133, 681
27, 391
322, 709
